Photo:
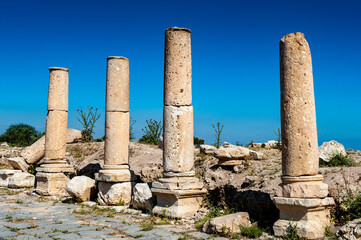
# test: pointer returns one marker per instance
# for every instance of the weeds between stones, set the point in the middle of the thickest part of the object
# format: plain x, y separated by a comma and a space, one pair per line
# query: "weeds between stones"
217, 133
291, 232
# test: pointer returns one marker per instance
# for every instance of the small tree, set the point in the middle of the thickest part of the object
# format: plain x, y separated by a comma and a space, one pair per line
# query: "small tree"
20, 135
217, 133
152, 132
131, 132
278, 138
88, 120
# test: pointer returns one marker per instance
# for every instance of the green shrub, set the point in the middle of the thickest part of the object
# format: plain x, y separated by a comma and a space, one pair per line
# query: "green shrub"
291, 232
20, 135
347, 208
87, 120
252, 232
152, 132
99, 139
278, 137
131, 131
198, 141
338, 160
217, 133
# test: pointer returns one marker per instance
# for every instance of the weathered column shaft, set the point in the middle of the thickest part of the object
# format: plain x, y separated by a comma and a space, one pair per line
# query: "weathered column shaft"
57, 119
179, 193
117, 112
302, 196
177, 67
298, 114
116, 173
50, 176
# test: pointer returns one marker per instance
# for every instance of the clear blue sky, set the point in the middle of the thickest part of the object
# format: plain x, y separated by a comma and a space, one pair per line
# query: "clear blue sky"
235, 60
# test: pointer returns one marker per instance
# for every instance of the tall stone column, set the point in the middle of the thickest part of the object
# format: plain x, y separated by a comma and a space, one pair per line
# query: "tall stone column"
179, 193
302, 197
116, 175
50, 176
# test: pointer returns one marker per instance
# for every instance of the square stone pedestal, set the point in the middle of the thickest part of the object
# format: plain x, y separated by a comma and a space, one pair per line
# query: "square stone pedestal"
178, 197
311, 216
50, 184
5, 175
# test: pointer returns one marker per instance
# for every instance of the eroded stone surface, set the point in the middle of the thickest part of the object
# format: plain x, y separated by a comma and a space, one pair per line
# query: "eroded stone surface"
115, 193
298, 114
229, 223
55, 136
51, 183
82, 188
22, 180
178, 67
58, 89
142, 196
328, 149
18, 163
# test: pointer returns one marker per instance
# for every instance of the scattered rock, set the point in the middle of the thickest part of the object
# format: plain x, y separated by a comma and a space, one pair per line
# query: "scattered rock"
82, 188
231, 152
73, 135
22, 180
256, 155
231, 223
350, 231
5, 174
4, 144
328, 149
160, 143
142, 196
207, 149
115, 193
18, 163
269, 144
90, 203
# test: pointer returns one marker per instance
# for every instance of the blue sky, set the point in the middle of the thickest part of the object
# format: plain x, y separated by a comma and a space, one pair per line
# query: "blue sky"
235, 61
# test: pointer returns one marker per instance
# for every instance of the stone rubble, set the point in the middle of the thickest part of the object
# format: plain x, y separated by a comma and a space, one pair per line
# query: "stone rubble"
143, 197
229, 223
328, 149
81, 188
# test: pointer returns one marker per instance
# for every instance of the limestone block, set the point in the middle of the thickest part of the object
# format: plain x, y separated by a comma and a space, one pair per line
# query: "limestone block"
177, 67
328, 149
269, 144
178, 203
58, 89
310, 215
142, 196
178, 183
82, 188
351, 230
178, 149
18, 163
118, 175
22, 180
114, 193
207, 149
51, 183
231, 152
298, 114
256, 155
116, 150
117, 84
231, 223
5, 175
55, 137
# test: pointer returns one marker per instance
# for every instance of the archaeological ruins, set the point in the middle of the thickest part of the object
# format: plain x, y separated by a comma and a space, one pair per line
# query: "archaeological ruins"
302, 198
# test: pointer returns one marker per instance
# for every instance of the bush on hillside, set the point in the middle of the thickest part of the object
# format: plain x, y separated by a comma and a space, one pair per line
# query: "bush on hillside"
20, 135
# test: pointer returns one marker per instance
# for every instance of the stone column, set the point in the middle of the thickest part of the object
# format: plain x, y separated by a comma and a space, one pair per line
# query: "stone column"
115, 175
179, 193
302, 197
50, 176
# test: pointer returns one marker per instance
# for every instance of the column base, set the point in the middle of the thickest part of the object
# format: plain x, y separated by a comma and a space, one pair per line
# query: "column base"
115, 175
51, 184
178, 197
311, 216
113, 193
303, 187
55, 166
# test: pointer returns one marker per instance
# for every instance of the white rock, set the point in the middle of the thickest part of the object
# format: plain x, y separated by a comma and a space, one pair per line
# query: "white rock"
81, 187
328, 149
231, 223
73, 135
5, 174
269, 144
4, 144
231, 152
22, 180
257, 155
207, 149
115, 193
142, 196
89, 203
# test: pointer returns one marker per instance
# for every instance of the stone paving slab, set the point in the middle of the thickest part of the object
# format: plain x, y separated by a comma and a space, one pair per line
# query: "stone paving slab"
25, 215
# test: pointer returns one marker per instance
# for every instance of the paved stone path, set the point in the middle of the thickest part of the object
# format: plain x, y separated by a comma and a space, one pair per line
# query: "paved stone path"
24, 215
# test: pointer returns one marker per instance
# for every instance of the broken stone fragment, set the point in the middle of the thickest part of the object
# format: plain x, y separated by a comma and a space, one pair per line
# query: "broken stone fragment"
328, 149
142, 196
230, 223
82, 188
207, 149
22, 180
18, 163
115, 193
